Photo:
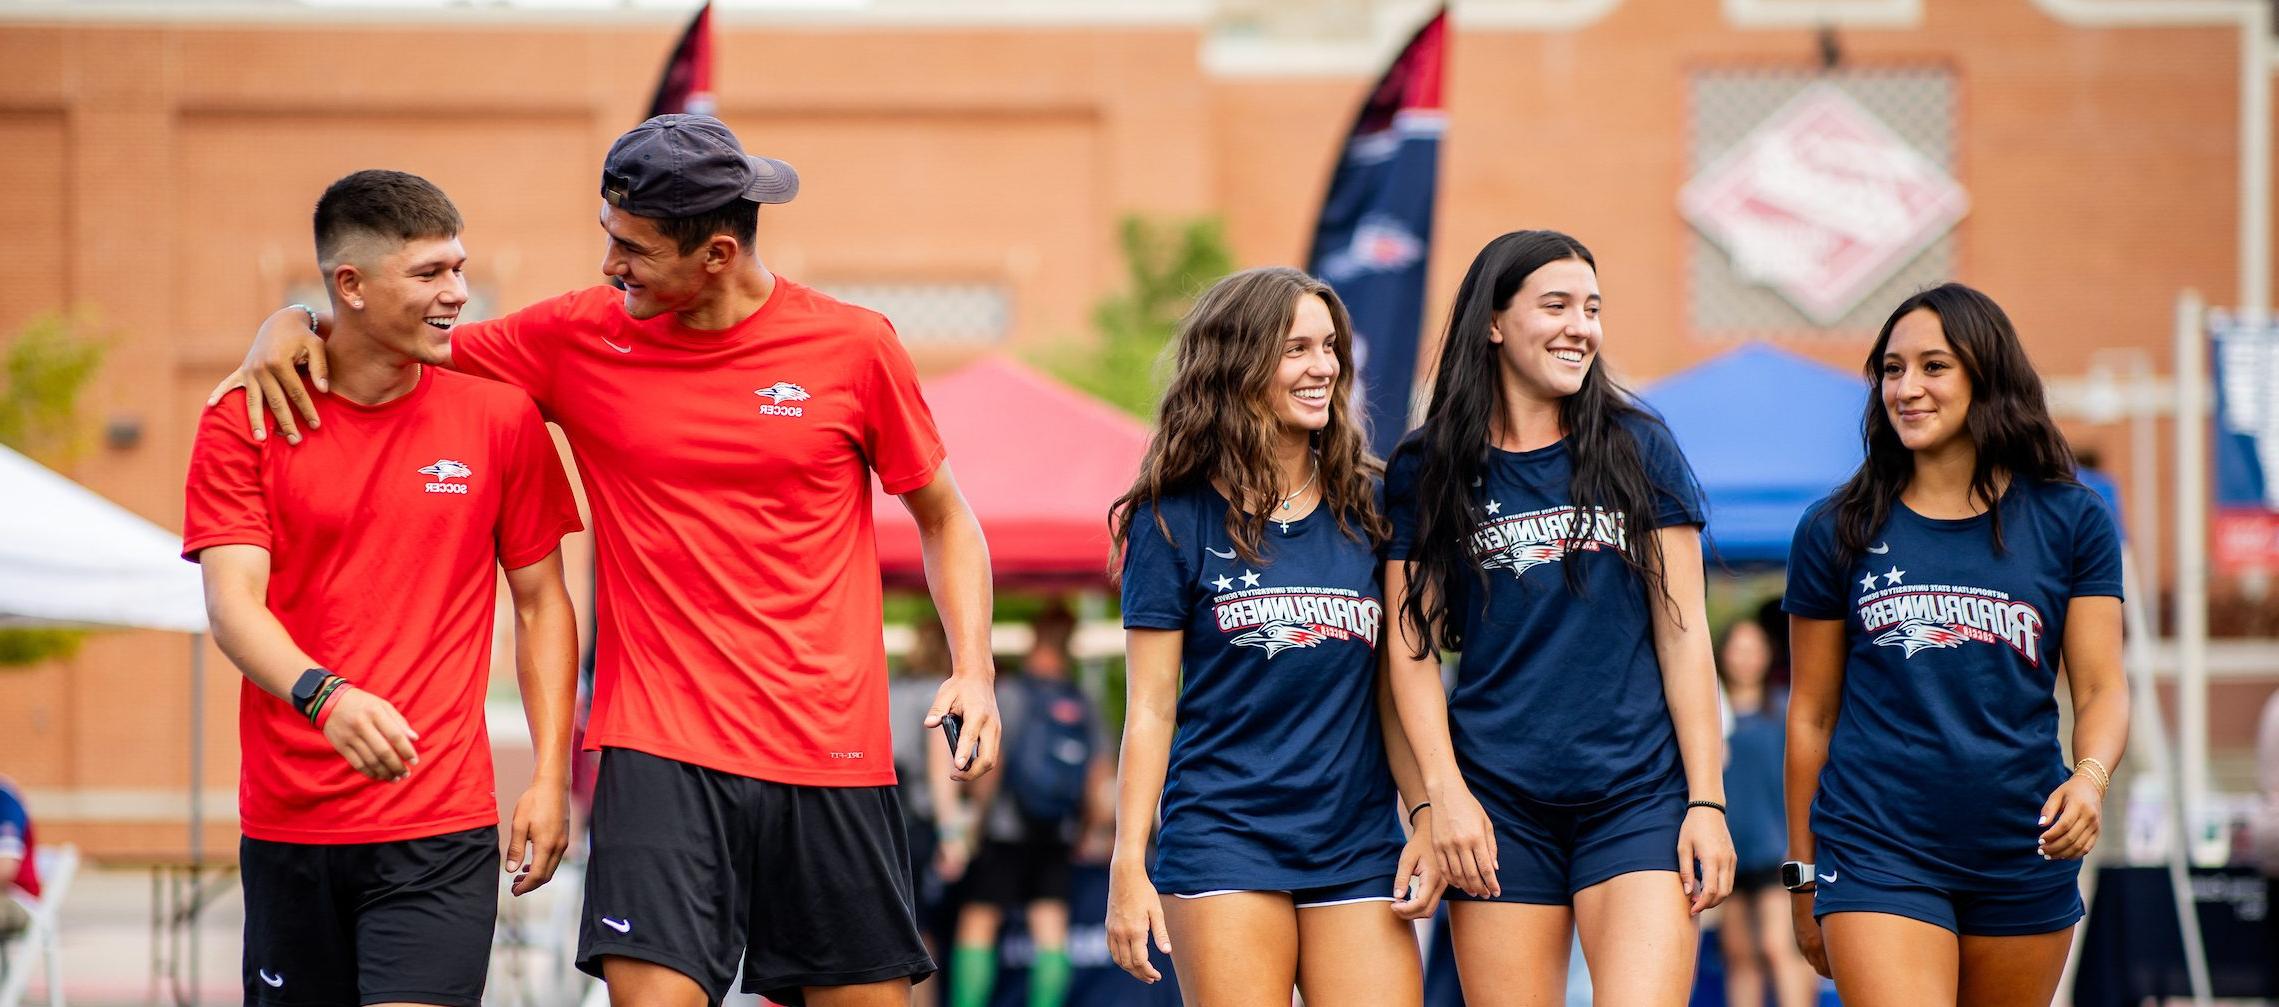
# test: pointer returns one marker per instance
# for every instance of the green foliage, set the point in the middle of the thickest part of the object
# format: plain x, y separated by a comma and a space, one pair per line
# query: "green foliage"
1167, 265
44, 368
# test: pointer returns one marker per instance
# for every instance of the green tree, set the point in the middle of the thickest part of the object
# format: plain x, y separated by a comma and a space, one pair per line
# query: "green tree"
1167, 265
45, 367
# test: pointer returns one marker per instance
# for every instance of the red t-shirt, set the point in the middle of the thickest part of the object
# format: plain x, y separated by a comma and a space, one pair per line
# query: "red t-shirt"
385, 529
728, 472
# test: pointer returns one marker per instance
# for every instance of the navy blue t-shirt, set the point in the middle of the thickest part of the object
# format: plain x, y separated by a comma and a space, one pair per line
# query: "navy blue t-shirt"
1753, 790
1278, 778
1558, 697
1946, 738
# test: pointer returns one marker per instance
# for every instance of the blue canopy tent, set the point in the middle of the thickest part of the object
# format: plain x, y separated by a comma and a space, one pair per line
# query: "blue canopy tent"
1768, 432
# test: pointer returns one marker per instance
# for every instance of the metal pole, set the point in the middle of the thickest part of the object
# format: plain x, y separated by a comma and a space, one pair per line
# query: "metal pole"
2152, 746
197, 801
2192, 558
2144, 464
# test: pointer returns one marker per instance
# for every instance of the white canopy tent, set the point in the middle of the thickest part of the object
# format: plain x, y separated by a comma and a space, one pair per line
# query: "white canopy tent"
69, 557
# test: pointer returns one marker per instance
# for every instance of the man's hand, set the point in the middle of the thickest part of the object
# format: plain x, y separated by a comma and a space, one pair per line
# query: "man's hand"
538, 835
271, 375
368, 732
973, 697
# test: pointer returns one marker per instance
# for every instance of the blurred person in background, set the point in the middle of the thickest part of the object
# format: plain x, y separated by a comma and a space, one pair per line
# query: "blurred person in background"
922, 777
1549, 529
19, 875
1935, 826
1028, 818
1755, 936
1256, 720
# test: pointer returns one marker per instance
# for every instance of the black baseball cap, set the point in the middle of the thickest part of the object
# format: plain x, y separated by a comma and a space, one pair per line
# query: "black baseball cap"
678, 165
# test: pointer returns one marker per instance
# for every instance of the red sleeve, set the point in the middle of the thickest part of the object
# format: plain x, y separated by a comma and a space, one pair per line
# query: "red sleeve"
520, 348
898, 430
539, 508
224, 502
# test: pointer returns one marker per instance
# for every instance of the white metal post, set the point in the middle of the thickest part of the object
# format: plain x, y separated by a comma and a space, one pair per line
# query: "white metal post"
2192, 558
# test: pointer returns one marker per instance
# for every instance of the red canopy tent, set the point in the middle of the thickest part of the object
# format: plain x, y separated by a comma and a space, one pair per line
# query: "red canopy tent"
1039, 462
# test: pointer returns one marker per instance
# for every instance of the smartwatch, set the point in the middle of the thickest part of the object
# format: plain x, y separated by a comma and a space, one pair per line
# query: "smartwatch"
1796, 875
305, 689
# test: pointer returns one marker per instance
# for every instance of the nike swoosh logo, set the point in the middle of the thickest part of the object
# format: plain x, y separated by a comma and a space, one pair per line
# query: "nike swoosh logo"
621, 926
1829, 877
1229, 554
621, 349
1880, 548
273, 981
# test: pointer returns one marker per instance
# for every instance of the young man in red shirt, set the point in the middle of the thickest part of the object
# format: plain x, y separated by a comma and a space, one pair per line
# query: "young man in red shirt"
726, 422
352, 579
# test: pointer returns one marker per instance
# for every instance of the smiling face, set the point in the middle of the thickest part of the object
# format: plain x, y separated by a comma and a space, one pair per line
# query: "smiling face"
658, 277
1304, 387
1548, 334
1925, 391
409, 298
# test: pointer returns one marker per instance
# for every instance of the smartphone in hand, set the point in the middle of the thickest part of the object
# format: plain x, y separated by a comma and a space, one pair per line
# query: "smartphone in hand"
952, 725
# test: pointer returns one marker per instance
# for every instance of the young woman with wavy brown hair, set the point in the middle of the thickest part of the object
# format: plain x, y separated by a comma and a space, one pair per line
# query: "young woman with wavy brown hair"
1935, 828
1252, 610
1549, 529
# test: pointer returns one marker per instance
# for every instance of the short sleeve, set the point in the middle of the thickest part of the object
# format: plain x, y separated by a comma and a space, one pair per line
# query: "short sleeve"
538, 508
898, 430
15, 824
2096, 560
223, 500
521, 348
1677, 496
1157, 570
1397, 497
1816, 577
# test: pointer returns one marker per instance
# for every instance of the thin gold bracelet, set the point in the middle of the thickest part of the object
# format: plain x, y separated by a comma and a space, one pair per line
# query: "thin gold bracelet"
2096, 772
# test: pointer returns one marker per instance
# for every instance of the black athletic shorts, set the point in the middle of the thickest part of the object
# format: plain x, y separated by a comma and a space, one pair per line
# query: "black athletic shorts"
1012, 874
365, 923
694, 868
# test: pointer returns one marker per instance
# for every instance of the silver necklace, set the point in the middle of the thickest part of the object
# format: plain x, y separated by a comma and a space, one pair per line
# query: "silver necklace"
1302, 487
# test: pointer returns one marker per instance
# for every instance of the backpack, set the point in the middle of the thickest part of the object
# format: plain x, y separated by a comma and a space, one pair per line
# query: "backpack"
1047, 764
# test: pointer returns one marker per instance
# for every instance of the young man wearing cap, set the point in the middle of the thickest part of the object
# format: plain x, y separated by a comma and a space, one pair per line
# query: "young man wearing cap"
353, 580
726, 422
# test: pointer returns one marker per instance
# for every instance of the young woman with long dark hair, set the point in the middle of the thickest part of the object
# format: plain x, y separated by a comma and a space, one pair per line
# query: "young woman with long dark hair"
1548, 528
1252, 611
1935, 826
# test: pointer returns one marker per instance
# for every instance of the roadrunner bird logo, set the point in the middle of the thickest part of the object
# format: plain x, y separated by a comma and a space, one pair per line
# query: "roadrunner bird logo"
1276, 637
1521, 558
1917, 635
782, 392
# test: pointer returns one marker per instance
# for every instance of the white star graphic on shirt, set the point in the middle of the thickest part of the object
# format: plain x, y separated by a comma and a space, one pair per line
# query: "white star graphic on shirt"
1250, 578
1867, 583
1894, 575
1222, 584
1495, 506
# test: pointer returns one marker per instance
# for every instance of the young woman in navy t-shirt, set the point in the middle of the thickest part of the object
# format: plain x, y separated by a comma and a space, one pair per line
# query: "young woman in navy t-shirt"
1935, 826
1249, 549
1548, 528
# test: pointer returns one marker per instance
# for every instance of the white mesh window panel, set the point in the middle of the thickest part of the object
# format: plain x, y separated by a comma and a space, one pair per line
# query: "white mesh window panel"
935, 314
1724, 106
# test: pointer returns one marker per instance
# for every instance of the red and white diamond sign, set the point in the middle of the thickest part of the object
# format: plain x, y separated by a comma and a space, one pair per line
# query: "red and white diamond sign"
1823, 202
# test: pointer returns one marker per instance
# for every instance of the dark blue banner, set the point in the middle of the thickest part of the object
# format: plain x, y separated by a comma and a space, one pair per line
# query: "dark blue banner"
1375, 231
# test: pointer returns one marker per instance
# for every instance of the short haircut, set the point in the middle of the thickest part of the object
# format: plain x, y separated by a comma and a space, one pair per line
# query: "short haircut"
382, 209
739, 219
